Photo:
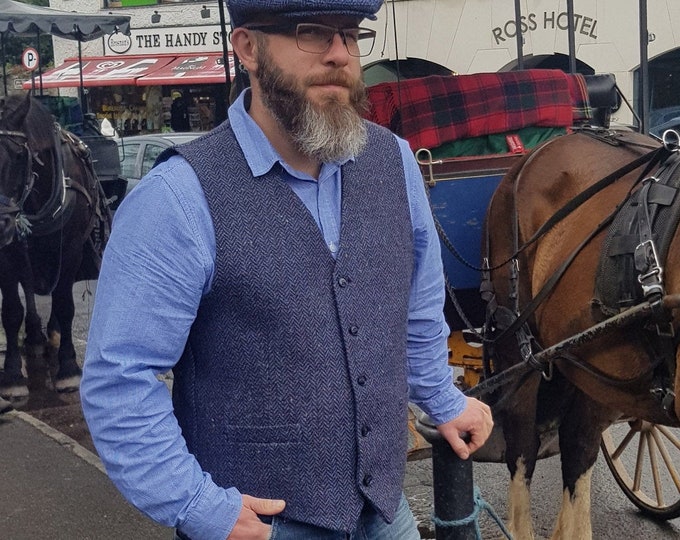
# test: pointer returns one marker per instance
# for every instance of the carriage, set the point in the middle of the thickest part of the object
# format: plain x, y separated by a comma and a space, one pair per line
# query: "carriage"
464, 152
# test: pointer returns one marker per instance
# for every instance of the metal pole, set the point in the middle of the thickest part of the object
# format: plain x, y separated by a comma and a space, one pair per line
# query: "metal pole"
83, 102
518, 35
39, 63
4, 63
572, 36
452, 485
644, 69
225, 48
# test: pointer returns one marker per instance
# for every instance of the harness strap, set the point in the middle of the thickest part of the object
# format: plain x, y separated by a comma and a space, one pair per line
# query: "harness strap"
651, 158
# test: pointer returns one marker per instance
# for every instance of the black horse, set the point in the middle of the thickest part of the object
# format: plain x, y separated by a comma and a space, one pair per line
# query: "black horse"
54, 222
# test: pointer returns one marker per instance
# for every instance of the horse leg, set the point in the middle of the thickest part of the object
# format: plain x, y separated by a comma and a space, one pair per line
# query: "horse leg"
34, 342
580, 434
13, 385
677, 383
59, 330
522, 444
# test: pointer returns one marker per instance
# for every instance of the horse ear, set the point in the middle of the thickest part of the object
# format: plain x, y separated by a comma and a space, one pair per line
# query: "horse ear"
15, 118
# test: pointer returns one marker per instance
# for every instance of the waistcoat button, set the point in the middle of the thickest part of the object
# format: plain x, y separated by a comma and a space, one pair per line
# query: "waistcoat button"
354, 330
367, 480
365, 431
362, 380
342, 282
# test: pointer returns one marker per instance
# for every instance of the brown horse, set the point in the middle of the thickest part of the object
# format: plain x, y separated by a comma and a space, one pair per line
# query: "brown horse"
578, 267
53, 224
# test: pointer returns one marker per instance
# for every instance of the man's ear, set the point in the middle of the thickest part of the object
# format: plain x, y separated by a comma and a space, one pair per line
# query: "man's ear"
245, 46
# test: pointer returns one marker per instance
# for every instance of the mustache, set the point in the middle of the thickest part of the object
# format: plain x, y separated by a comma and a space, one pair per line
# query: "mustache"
337, 79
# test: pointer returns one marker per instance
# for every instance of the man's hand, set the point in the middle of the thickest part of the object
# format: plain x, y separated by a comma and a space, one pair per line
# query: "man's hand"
475, 420
248, 525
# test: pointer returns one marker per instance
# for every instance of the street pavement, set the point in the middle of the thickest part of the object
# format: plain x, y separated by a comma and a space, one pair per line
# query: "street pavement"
52, 487
52, 484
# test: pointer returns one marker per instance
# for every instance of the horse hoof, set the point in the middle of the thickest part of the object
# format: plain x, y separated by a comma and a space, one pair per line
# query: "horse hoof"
67, 384
14, 392
5, 406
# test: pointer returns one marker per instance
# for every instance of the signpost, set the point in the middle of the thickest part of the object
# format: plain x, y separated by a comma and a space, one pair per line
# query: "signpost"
30, 58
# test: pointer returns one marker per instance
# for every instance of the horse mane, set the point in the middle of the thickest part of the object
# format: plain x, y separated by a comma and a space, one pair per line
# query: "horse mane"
38, 123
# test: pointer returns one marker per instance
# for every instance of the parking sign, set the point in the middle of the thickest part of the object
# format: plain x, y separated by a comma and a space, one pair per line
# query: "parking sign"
29, 58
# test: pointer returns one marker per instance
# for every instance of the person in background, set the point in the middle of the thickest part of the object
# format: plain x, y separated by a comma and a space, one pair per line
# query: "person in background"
179, 114
287, 268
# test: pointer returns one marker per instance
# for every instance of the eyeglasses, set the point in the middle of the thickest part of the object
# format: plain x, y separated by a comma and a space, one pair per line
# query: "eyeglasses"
317, 38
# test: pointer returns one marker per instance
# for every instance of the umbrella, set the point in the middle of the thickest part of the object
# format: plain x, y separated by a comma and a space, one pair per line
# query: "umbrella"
27, 19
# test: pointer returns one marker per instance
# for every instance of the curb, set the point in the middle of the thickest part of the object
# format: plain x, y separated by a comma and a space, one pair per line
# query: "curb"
64, 440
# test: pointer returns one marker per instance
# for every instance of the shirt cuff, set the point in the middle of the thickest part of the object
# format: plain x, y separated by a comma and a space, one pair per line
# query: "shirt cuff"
213, 514
449, 404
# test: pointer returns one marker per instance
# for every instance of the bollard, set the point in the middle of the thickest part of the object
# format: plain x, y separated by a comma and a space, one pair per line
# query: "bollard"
452, 484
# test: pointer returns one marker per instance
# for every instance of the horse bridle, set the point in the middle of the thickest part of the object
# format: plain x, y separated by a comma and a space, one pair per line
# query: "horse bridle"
7, 204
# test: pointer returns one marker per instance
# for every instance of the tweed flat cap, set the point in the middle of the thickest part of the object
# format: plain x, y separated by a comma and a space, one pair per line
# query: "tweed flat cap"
241, 11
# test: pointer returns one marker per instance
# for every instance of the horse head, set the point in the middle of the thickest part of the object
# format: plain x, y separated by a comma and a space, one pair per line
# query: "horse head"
15, 164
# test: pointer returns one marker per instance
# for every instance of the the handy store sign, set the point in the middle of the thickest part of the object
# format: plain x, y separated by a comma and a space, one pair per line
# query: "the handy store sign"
171, 39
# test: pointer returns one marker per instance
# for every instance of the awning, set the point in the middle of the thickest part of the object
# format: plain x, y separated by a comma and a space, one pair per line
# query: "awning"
205, 68
27, 19
100, 71
190, 69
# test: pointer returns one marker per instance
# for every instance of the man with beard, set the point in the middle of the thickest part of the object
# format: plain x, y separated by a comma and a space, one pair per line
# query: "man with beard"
286, 267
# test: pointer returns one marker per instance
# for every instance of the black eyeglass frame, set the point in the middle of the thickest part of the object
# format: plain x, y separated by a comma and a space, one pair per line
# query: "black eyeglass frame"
293, 29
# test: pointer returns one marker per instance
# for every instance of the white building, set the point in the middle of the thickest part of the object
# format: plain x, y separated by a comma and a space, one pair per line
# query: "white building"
464, 36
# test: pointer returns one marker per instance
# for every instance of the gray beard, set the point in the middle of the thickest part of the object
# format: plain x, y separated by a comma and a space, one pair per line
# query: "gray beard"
329, 136
329, 133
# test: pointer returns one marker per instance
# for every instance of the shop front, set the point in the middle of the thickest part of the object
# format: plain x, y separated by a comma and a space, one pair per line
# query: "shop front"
147, 94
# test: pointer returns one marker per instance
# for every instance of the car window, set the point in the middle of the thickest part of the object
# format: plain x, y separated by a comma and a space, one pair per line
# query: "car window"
128, 155
151, 152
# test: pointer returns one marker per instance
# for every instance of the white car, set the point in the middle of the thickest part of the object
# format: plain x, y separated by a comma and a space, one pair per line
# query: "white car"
138, 153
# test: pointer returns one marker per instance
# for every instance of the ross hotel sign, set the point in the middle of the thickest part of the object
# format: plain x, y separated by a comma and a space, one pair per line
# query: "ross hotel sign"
170, 39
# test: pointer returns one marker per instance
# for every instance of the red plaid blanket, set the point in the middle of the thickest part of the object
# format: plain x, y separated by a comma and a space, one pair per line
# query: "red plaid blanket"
431, 111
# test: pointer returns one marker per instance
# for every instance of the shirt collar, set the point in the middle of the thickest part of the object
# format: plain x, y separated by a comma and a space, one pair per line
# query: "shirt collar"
259, 153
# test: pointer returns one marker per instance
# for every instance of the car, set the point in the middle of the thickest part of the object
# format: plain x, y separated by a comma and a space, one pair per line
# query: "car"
138, 153
662, 119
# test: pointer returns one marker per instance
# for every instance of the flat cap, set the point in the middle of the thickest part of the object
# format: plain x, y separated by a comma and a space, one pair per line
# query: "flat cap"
241, 11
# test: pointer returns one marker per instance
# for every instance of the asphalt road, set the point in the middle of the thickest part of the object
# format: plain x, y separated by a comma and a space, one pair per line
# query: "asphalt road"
613, 516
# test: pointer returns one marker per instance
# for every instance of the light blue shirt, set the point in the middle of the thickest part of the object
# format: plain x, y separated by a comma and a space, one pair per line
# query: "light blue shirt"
158, 264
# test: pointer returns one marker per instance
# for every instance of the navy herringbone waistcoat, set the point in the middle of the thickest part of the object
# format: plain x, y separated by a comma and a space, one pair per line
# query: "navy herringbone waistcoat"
292, 384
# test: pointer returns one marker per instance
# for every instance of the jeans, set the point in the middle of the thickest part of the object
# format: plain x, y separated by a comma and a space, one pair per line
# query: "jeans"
370, 527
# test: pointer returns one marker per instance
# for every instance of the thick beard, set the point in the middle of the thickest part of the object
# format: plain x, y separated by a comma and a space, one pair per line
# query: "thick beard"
329, 132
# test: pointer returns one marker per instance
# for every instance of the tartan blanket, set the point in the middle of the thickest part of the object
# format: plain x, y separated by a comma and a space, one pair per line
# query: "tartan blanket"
432, 111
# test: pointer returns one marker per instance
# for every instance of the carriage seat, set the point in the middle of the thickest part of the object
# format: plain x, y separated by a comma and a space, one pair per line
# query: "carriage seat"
603, 97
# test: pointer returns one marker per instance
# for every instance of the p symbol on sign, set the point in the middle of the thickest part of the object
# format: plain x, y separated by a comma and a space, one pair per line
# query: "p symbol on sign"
29, 58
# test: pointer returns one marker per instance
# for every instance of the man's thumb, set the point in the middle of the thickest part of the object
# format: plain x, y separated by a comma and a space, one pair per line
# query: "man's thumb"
265, 507
459, 447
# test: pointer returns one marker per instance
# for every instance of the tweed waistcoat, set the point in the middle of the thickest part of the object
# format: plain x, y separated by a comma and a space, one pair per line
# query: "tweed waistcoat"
292, 384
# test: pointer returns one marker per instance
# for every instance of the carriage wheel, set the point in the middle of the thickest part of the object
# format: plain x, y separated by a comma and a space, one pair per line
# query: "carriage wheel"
644, 459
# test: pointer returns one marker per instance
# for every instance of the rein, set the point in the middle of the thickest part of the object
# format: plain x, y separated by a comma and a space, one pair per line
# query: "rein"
651, 158
7, 204
42, 220
542, 361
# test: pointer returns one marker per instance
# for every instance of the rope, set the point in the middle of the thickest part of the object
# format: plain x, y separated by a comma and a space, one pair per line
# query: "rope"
480, 504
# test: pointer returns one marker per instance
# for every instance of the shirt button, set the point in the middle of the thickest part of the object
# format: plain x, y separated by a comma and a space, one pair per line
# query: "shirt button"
368, 479
362, 380
354, 330
365, 431
342, 282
